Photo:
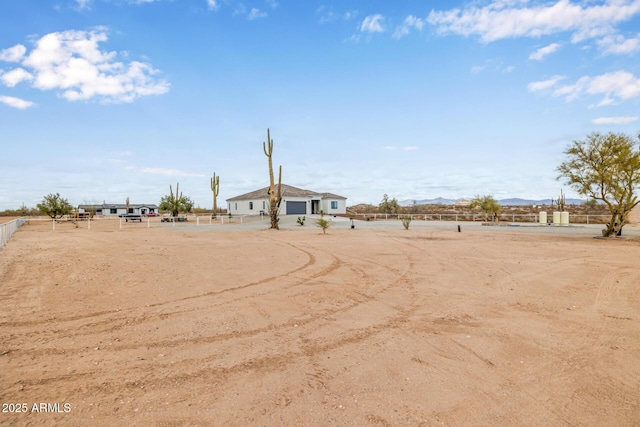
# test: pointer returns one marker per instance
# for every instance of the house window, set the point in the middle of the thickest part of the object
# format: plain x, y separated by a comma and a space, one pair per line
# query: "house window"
264, 205
250, 206
130, 210
113, 211
236, 203
334, 204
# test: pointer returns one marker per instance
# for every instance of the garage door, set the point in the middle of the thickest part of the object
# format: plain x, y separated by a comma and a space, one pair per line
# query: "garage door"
296, 208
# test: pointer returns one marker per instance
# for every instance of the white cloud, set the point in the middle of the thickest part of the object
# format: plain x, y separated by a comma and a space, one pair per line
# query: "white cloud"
72, 63
13, 54
83, 4
505, 19
615, 120
410, 148
619, 85
619, 45
409, 23
544, 51
255, 14
15, 76
271, 3
170, 172
494, 64
212, 4
373, 24
353, 39
18, 103
545, 84
240, 9
328, 14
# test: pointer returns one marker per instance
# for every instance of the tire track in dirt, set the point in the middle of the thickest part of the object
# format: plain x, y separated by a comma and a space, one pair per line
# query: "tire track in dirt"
311, 261
310, 347
125, 321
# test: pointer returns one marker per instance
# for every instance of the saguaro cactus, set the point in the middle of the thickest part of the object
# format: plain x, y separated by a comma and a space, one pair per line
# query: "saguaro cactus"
175, 200
561, 201
275, 193
215, 188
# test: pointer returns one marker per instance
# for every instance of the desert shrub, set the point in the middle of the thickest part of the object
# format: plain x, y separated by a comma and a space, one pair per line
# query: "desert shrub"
322, 223
406, 221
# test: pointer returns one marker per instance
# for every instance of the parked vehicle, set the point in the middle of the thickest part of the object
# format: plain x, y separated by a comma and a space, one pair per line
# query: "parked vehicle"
131, 217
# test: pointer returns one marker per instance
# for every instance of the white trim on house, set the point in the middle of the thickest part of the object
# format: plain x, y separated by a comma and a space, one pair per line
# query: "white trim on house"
257, 202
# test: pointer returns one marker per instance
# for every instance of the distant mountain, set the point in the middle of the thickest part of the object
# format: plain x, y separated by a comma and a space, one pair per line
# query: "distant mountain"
503, 202
436, 201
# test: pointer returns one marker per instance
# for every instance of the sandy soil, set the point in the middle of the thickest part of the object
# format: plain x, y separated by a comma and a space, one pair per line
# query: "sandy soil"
150, 326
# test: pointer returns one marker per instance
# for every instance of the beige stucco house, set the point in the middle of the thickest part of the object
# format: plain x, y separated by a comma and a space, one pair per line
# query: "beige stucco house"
295, 201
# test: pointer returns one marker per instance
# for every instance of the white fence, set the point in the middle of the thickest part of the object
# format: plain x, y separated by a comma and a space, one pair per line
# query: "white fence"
533, 218
7, 229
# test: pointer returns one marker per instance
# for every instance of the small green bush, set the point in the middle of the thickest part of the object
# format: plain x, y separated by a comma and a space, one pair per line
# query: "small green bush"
406, 221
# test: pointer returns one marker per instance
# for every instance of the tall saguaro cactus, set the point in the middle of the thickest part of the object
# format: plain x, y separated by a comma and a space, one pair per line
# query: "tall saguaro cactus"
175, 200
561, 202
215, 188
275, 193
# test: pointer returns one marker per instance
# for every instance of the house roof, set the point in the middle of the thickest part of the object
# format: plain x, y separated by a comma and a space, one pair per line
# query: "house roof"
332, 196
287, 191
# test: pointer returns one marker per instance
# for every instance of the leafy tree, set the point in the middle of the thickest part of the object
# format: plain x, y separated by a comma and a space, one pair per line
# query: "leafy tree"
388, 206
175, 203
488, 204
605, 168
54, 206
593, 204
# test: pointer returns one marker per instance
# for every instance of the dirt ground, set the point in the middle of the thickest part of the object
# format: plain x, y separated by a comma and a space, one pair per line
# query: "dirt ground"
170, 327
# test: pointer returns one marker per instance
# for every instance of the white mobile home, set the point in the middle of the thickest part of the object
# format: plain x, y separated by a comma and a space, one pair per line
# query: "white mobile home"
295, 201
118, 209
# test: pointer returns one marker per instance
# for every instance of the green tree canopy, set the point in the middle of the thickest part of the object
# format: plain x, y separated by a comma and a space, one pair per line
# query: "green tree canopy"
487, 203
54, 206
606, 168
175, 203
388, 206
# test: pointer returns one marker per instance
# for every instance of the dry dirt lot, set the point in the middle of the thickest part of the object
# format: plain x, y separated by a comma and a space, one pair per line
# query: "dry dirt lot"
158, 326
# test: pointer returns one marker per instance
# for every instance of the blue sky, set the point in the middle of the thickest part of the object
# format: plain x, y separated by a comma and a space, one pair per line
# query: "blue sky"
106, 99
